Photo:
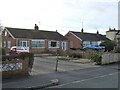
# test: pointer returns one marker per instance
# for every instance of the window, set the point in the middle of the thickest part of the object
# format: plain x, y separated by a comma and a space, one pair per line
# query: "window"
38, 43
24, 43
53, 44
4, 43
86, 43
9, 44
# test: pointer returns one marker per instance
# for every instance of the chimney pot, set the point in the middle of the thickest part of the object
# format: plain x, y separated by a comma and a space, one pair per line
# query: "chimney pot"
82, 30
97, 32
36, 27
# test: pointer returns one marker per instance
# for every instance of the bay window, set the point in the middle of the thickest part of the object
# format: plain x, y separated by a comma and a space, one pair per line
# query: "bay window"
38, 43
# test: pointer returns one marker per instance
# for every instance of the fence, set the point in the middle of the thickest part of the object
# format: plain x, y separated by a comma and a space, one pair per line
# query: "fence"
110, 58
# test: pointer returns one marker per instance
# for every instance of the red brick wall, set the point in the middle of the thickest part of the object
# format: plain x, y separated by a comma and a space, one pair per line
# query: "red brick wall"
6, 39
74, 42
15, 42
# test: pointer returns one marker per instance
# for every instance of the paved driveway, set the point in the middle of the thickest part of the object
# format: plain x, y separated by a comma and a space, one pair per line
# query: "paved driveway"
47, 65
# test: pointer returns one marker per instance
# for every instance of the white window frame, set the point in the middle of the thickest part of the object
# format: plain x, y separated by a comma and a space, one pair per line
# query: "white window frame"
21, 43
4, 43
57, 42
38, 41
9, 44
86, 43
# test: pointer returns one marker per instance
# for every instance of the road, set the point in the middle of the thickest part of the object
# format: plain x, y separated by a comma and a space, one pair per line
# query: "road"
76, 75
48, 65
70, 75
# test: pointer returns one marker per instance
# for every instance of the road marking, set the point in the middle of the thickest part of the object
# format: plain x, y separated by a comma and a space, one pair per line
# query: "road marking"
86, 79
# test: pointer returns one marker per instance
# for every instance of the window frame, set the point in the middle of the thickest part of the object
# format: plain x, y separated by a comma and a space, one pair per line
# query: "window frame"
38, 42
57, 44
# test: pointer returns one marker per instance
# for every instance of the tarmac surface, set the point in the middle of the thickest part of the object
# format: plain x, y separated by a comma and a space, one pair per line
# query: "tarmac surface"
69, 75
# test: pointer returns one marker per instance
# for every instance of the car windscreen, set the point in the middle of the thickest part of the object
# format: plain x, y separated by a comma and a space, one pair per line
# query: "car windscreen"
20, 48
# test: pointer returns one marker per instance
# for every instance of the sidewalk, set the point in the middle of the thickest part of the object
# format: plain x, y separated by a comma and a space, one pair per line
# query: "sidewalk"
36, 81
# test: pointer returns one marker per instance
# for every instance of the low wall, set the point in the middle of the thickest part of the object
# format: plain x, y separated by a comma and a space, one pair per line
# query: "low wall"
16, 65
15, 68
110, 58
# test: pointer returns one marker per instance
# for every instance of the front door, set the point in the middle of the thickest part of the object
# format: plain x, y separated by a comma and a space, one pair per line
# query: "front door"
64, 44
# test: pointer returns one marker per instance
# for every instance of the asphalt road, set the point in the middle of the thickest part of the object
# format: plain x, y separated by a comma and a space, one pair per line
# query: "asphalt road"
70, 75
48, 65
76, 75
102, 77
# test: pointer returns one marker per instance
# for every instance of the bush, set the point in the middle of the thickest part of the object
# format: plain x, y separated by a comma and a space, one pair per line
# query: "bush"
18, 56
109, 45
117, 50
75, 54
2, 51
96, 58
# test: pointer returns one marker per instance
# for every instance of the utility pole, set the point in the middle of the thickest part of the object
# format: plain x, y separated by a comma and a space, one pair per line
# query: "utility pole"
56, 64
56, 68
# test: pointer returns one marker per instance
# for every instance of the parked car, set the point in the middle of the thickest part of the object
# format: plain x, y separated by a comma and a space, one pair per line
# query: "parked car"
18, 50
94, 47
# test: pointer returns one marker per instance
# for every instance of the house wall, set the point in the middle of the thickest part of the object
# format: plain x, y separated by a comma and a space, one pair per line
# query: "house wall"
6, 38
111, 35
73, 41
16, 42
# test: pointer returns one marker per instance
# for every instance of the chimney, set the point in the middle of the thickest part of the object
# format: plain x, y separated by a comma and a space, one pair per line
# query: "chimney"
114, 29
56, 30
82, 30
97, 32
109, 29
36, 27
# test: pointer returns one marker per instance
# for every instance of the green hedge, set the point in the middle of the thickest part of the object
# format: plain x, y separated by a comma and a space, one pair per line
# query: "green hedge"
18, 56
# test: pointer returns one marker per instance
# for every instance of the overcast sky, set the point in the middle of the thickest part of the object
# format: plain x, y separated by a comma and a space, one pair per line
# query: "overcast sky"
63, 15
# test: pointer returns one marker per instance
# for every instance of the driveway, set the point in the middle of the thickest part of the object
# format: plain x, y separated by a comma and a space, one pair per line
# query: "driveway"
45, 65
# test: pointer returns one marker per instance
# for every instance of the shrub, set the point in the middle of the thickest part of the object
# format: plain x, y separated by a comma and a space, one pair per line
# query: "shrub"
96, 58
75, 54
18, 56
2, 51
117, 50
109, 45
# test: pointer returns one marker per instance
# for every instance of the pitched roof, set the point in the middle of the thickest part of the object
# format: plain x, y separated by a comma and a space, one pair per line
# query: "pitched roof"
90, 36
35, 34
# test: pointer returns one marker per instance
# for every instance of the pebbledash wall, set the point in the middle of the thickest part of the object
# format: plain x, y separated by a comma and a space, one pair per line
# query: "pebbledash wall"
14, 68
110, 58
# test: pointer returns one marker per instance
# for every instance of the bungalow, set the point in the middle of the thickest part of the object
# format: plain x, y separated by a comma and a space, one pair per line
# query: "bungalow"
36, 40
78, 40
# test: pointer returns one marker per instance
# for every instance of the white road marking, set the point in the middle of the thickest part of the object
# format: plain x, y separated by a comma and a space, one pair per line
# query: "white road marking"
86, 79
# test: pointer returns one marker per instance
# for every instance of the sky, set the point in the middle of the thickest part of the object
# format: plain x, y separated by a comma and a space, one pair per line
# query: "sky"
60, 15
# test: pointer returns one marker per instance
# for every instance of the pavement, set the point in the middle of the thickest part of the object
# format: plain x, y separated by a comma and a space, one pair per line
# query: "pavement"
37, 81
73, 75
95, 77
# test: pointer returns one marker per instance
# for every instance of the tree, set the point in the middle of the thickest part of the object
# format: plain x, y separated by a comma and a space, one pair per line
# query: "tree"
109, 45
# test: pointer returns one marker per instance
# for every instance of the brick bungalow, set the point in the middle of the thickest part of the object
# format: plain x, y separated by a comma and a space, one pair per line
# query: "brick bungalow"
37, 40
78, 40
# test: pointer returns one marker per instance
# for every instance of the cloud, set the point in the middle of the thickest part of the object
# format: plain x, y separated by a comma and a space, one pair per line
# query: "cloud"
63, 15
